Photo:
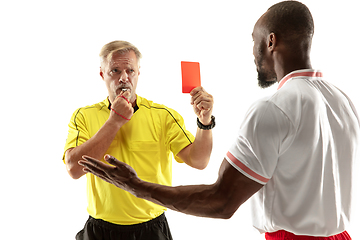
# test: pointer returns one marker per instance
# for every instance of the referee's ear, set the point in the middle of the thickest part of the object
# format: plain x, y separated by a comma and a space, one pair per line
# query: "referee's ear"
101, 73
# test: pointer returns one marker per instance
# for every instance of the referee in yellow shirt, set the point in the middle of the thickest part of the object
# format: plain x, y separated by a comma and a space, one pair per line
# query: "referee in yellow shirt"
140, 133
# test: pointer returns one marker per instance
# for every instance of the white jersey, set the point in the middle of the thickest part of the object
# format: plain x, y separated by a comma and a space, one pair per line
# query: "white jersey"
301, 144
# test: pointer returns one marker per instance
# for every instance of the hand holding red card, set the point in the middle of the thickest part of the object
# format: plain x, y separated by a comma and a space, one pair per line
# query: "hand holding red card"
190, 76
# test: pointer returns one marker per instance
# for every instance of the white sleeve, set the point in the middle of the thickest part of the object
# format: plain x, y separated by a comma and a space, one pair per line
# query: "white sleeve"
256, 150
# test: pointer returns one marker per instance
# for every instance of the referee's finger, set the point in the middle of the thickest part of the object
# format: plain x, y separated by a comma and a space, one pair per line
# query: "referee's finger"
202, 99
126, 94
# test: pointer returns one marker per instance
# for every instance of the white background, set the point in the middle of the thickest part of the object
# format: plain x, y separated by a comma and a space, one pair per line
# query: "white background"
49, 67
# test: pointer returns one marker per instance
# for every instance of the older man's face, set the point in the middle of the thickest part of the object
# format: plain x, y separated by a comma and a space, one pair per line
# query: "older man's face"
121, 73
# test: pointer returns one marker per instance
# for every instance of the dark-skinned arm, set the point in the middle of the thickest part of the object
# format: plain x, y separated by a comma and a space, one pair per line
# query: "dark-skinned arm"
218, 200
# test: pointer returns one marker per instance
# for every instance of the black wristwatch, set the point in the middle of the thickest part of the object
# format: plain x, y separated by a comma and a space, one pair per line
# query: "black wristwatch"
206, 127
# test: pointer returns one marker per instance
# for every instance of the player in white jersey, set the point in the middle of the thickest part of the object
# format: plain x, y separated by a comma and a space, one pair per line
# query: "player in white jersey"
300, 143
294, 151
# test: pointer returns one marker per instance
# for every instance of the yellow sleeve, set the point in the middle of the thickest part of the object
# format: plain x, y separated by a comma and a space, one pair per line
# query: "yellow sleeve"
177, 136
78, 132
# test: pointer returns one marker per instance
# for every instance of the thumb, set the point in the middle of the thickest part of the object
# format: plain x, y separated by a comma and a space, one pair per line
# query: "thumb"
127, 94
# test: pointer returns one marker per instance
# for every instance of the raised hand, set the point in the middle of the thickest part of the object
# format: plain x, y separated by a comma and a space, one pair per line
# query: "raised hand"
121, 108
203, 103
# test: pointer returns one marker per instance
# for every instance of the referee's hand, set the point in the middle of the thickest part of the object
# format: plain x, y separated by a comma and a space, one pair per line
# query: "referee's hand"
121, 108
203, 103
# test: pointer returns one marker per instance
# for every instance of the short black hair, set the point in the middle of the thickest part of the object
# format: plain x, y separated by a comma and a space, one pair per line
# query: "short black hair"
290, 21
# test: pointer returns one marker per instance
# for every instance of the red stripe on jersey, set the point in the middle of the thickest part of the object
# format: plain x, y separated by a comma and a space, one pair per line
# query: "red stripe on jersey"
246, 169
299, 74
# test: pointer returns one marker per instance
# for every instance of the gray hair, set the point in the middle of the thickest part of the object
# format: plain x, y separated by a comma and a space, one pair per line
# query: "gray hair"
108, 50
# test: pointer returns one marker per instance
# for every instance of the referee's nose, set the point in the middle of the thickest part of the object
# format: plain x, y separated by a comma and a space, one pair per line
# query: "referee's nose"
124, 77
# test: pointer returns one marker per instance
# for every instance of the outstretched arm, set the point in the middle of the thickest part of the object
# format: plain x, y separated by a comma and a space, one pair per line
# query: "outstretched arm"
219, 200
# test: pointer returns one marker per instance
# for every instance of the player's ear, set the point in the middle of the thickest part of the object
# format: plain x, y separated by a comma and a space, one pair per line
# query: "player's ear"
271, 42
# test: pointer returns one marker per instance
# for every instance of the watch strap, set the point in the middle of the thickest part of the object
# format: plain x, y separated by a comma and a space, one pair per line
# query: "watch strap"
206, 127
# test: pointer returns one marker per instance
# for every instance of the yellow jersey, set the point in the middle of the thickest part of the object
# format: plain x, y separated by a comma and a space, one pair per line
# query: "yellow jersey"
146, 143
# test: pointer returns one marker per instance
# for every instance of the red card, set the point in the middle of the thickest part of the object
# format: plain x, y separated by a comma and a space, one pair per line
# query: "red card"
190, 72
